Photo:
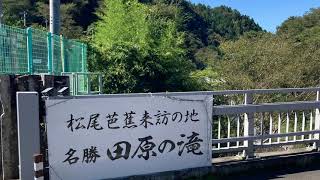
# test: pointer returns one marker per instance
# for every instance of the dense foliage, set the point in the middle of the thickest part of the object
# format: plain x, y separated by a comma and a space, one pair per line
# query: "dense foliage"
174, 45
76, 15
140, 51
289, 58
157, 45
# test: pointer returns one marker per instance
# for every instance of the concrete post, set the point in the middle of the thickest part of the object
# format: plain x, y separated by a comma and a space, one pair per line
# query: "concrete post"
1, 112
9, 85
248, 128
9, 137
28, 131
316, 145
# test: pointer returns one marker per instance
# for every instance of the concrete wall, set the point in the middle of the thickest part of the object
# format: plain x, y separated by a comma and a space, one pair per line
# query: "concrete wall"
9, 138
9, 85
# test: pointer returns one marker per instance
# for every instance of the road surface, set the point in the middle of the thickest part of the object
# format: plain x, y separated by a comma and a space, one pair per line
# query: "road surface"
308, 173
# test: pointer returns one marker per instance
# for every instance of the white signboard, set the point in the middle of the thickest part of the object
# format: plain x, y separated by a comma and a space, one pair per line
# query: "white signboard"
100, 137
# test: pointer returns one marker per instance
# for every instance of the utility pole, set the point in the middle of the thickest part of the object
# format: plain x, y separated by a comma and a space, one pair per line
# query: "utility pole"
54, 16
25, 18
54, 21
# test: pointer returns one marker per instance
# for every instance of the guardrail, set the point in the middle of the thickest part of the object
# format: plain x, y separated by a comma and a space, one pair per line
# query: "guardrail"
248, 126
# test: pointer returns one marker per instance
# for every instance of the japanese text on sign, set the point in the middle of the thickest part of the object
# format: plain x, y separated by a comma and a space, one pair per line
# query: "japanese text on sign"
129, 135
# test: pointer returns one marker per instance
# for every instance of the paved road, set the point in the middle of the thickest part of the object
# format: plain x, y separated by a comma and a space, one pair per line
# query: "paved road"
309, 173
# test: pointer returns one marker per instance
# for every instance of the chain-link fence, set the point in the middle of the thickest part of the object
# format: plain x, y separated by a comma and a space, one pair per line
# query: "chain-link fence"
32, 51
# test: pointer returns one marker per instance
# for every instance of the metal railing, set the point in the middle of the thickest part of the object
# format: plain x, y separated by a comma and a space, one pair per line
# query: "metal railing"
33, 51
248, 126
85, 83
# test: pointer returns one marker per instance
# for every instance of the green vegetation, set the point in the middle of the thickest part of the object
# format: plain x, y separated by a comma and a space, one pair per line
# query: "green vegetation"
289, 58
139, 50
159, 45
174, 45
76, 15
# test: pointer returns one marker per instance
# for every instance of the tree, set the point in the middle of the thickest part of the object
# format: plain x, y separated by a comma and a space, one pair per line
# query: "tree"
140, 50
13, 11
295, 25
121, 21
257, 60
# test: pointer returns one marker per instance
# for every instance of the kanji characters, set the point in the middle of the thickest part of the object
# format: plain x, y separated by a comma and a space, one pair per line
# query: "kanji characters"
93, 122
162, 118
71, 159
90, 154
122, 151
129, 120
146, 147
193, 145
77, 121
112, 119
145, 120
193, 115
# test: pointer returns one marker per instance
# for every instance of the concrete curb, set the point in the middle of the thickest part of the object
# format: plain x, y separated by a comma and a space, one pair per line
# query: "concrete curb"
298, 160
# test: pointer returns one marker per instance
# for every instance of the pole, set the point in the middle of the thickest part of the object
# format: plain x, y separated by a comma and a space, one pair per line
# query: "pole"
24, 18
316, 144
54, 29
50, 52
248, 153
1, 12
64, 65
54, 16
29, 48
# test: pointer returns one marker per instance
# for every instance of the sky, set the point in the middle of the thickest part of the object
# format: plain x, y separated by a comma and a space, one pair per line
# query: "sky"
267, 13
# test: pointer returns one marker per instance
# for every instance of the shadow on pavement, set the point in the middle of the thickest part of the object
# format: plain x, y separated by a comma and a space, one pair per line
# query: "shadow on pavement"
309, 172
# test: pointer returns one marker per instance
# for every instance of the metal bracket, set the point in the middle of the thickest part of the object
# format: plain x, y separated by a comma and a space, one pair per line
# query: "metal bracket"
63, 91
47, 92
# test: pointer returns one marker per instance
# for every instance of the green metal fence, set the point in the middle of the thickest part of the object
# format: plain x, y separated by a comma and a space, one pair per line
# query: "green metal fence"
85, 83
32, 51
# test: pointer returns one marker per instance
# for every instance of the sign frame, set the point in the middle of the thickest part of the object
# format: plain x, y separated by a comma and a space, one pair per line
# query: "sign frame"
179, 96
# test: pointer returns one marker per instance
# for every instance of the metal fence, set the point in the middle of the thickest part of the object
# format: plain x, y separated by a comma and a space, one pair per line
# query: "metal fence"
248, 126
85, 83
32, 51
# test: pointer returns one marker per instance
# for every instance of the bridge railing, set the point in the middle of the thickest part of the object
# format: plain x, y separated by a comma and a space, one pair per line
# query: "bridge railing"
248, 126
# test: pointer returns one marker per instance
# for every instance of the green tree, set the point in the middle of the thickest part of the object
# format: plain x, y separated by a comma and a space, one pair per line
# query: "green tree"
121, 21
140, 51
13, 11
295, 25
